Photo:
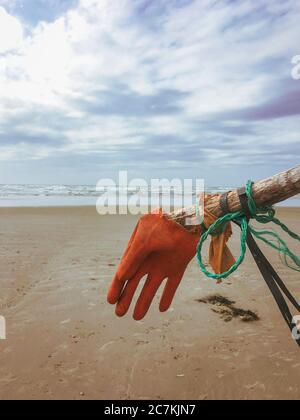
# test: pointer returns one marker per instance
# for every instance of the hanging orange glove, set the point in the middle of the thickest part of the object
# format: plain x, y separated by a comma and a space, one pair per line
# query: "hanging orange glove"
162, 249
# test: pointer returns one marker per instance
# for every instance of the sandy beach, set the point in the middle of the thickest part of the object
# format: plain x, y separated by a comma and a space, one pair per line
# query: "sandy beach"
64, 341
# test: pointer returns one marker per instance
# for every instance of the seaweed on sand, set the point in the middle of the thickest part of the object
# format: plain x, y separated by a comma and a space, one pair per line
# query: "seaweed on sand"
227, 309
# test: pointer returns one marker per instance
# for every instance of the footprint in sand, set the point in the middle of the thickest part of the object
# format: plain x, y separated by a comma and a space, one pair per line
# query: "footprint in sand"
104, 347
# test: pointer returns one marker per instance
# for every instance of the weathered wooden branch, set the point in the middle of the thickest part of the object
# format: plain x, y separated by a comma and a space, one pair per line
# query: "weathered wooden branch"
270, 191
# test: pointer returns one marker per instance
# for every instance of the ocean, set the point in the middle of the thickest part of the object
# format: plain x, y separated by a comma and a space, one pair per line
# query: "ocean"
36, 195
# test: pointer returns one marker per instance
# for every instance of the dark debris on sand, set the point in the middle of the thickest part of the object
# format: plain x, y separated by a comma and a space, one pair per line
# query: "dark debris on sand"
227, 309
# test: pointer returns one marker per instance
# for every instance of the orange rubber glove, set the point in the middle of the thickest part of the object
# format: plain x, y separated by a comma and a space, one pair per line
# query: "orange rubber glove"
160, 249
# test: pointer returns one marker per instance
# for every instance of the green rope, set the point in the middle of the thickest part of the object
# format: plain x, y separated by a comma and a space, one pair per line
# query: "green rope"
267, 218
262, 215
281, 247
222, 221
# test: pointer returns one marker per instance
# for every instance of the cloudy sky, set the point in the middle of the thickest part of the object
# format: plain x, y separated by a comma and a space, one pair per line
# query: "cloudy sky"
198, 88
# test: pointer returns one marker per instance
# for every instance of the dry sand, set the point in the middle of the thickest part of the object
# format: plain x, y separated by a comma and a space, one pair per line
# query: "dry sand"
64, 341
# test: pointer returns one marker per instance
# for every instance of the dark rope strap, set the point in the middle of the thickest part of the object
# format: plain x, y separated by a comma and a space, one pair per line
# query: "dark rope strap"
224, 203
272, 279
275, 284
244, 202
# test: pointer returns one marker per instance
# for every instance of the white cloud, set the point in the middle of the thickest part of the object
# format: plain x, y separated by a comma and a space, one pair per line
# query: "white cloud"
209, 51
11, 32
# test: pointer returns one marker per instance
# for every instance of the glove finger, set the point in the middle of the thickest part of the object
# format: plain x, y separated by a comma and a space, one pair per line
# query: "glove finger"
129, 245
169, 292
128, 292
126, 271
132, 261
146, 297
129, 265
115, 290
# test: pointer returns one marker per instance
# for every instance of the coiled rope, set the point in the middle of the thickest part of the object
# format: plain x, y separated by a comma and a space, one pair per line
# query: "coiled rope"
262, 215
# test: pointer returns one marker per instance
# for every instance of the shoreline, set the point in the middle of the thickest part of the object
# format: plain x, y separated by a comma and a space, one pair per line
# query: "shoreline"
292, 203
38, 202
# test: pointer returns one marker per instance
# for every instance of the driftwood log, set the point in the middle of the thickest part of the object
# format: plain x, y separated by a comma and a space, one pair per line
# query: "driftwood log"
270, 191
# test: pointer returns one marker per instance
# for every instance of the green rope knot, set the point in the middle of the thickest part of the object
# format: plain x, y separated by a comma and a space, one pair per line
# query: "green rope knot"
262, 215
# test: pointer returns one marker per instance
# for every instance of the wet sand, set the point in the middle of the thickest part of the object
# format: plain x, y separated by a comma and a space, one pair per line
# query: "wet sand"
64, 341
